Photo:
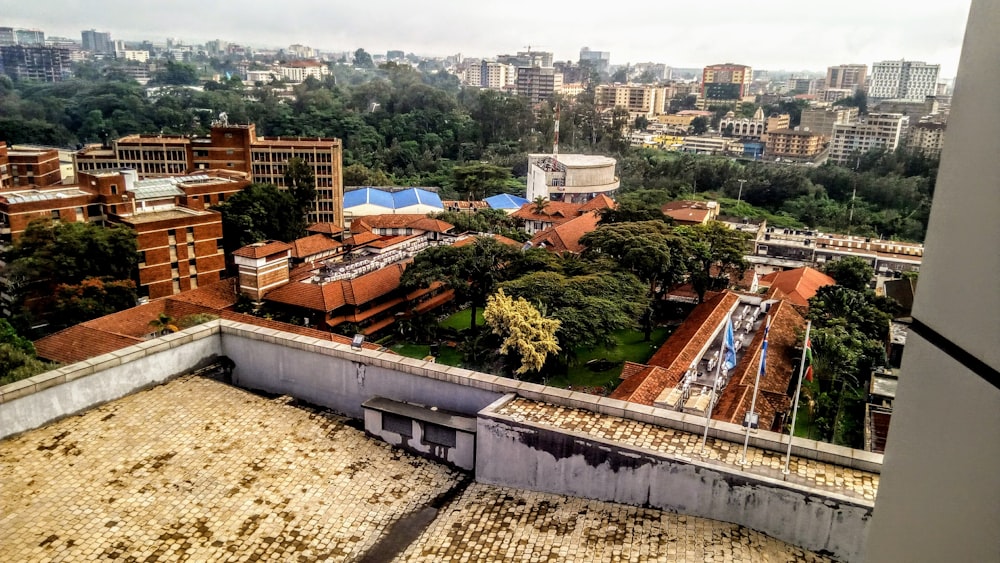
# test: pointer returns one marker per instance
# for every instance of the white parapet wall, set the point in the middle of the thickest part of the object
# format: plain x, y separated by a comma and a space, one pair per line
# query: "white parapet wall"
39, 400
520, 454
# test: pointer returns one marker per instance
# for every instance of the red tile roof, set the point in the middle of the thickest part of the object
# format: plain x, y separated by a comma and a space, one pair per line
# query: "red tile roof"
598, 203
799, 284
362, 238
678, 352
781, 365
77, 343
333, 295
262, 249
687, 211
311, 245
565, 237
326, 229
554, 212
218, 295
397, 221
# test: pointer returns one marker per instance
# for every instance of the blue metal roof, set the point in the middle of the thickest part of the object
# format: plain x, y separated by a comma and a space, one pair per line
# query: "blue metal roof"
505, 201
373, 196
416, 196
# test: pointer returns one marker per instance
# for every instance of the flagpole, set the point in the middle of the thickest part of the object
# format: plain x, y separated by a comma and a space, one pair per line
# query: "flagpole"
798, 394
753, 402
711, 396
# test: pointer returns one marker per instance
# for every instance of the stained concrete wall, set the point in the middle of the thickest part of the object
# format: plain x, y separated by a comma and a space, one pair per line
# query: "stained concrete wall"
515, 454
334, 376
38, 400
463, 455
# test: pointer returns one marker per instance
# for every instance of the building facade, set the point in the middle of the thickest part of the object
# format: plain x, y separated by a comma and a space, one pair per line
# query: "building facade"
638, 99
39, 63
538, 84
32, 167
927, 137
726, 81
598, 60
822, 120
97, 42
234, 148
877, 131
574, 178
794, 144
903, 80
848, 77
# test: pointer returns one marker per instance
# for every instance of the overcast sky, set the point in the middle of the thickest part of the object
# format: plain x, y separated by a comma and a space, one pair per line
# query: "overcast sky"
773, 34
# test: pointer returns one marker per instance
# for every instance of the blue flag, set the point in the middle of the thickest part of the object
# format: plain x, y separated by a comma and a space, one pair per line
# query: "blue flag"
763, 351
729, 347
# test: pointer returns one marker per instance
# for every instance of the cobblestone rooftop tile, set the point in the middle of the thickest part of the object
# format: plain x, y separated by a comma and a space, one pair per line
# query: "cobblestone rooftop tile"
823, 476
499, 524
200, 471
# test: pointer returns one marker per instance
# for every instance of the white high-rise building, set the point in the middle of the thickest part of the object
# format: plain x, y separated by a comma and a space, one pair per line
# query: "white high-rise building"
877, 131
903, 80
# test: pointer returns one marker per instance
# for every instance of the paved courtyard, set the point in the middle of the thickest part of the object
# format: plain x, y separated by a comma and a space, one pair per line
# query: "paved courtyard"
195, 470
811, 473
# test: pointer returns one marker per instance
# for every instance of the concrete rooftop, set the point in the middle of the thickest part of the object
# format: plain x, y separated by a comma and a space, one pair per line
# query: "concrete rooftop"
198, 470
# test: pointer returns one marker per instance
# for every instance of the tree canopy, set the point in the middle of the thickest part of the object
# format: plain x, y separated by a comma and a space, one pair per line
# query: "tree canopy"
53, 266
851, 272
523, 329
260, 212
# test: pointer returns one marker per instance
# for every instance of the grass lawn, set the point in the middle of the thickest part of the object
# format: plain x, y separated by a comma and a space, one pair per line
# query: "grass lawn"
630, 347
460, 320
448, 356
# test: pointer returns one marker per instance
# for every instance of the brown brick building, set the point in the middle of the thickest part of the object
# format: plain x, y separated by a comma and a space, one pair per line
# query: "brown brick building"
792, 143
179, 240
29, 167
234, 148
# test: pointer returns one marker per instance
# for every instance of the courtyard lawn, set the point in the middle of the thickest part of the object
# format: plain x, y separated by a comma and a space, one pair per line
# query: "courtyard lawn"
448, 356
629, 347
460, 320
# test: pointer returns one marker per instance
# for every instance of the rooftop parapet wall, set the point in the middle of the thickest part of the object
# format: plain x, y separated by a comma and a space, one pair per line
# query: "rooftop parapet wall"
323, 372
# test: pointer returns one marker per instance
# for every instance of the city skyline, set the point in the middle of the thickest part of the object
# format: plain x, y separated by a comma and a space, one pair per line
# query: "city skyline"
782, 38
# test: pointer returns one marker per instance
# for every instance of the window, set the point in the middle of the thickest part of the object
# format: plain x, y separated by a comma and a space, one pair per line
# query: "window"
397, 424
440, 435
114, 189
55, 214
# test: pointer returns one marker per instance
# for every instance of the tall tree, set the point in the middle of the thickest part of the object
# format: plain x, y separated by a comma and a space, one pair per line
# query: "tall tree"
524, 330
851, 272
648, 249
362, 59
260, 212
301, 183
715, 255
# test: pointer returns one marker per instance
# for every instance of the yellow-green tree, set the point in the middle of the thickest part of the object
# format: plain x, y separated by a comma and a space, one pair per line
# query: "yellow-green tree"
524, 330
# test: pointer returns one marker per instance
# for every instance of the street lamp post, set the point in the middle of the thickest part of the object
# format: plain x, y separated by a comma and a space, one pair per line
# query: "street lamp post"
739, 198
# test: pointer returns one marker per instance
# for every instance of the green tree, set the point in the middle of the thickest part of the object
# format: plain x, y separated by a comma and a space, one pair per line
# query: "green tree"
90, 299
163, 324
358, 174
699, 125
524, 330
176, 74
362, 59
74, 256
301, 183
481, 180
851, 272
17, 356
260, 212
715, 254
472, 271
648, 249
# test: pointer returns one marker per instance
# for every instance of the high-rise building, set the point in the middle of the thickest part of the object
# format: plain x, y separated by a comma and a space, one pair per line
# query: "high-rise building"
30, 37
44, 64
848, 77
726, 82
927, 137
638, 99
903, 80
97, 42
536, 58
493, 74
537, 83
7, 36
820, 120
877, 131
598, 60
